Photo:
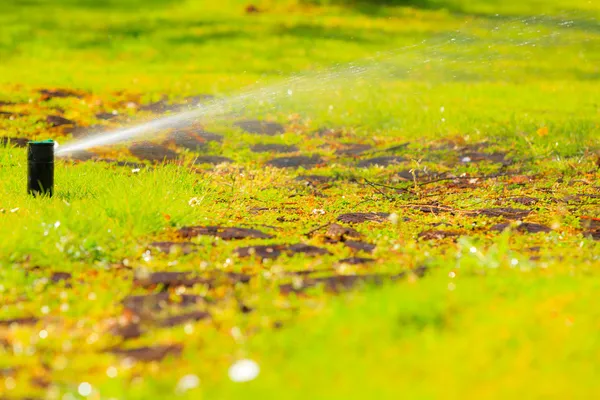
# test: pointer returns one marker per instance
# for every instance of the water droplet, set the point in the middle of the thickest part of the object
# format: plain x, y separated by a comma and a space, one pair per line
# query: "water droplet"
243, 371
111, 372
473, 250
84, 389
187, 382
43, 334
45, 309
514, 261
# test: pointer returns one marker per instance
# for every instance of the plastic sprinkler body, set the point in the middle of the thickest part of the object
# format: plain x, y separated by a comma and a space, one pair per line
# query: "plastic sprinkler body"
40, 168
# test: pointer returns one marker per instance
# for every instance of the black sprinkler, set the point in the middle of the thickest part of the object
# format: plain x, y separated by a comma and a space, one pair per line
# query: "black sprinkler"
40, 172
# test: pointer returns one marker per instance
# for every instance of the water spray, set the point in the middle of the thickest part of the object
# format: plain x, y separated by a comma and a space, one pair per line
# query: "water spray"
40, 168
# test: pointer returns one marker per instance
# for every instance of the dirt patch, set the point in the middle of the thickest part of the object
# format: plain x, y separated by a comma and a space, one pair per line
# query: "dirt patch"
56, 120
274, 251
57, 277
315, 180
152, 152
19, 321
476, 157
345, 282
357, 218
273, 148
139, 304
592, 226
433, 208
296, 162
184, 318
195, 140
417, 175
225, 233
262, 252
14, 142
382, 161
359, 246
524, 200
305, 249
438, 235
148, 354
81, 155
356, 261
169, 279
339, 233
106, 116
260, 127
213, 160
48, 94
81, 131
174, 247
353, 149
506, 212
128, 331
525, 227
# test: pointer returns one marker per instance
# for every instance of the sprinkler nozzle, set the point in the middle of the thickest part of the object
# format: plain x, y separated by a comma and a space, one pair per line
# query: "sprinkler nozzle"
40, 168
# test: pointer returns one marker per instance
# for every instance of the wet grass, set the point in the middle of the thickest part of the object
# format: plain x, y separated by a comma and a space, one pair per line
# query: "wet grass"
426, 228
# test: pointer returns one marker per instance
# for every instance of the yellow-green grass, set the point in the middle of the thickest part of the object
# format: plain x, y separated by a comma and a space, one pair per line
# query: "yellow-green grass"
496, 315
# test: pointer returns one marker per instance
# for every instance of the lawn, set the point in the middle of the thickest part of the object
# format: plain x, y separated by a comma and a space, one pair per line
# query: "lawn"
384, 199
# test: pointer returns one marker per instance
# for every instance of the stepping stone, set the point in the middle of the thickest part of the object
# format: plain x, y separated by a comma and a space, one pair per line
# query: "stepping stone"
152, 152
296, 162
213, 160
357, 218
382, 161
56, 120
273, 148
525, 227
260, 127
224, 233
147, 353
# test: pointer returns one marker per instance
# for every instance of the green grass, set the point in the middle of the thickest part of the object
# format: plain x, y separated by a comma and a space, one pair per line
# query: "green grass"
496, 315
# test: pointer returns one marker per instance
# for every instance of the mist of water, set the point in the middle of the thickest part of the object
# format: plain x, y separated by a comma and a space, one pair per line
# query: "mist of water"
455, 56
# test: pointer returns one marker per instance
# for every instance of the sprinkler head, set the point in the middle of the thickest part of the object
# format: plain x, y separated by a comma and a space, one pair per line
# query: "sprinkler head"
40, 168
